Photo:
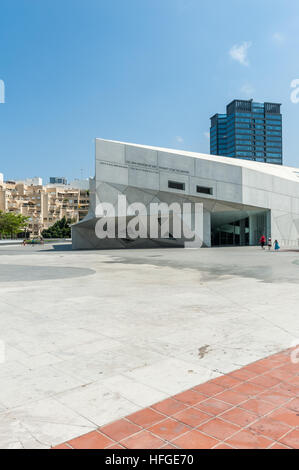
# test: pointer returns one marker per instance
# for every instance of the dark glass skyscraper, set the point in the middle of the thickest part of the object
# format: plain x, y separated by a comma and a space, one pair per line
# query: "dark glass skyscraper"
248, 130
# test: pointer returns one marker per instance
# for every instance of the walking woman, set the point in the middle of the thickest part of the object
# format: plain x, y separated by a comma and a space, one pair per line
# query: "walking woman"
263, 241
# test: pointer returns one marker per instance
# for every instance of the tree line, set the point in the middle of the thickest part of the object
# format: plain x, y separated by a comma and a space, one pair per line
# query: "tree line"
61, 229
11, 224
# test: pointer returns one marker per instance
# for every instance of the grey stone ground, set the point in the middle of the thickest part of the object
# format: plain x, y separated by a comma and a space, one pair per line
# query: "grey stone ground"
91, 336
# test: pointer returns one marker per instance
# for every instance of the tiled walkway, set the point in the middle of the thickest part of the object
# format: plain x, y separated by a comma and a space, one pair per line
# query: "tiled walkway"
255, 407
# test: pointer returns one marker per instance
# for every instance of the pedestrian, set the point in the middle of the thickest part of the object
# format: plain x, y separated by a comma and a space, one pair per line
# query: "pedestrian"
263, 241
276, 245
269, 243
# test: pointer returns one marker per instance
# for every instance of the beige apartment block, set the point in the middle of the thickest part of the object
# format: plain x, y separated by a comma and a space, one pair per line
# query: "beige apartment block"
44, 205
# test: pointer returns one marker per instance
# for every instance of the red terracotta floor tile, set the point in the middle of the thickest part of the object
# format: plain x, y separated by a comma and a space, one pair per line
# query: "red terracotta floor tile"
120, 429
281, 358
190, 397
219, 429
246, 439
195, 440
267, 362
239, 417
62, 447
278, 398
213, 406
278, 446
169, 406
248, 389
222, 446
226, 381
256, 368
293, 405
265, 381
281, 374
294, 381
192, 417
291, 439
285, 416
271, 362
259, 407
168, 446
92, 440
270, 428
287, 389
169, 429
115, 446
146, 417
243, 374
229, 396
291, 368
209, 389
143, 440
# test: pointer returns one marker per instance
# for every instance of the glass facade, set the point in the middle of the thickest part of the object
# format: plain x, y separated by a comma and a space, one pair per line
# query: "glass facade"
248, 130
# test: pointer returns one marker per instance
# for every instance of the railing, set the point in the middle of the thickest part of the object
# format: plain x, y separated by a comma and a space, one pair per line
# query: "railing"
289, 243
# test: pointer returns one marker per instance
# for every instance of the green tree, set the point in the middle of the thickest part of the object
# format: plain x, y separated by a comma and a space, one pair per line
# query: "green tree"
61, 229
11, 224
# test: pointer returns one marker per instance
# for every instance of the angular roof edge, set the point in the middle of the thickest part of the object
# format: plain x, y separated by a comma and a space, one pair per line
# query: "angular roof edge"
280, 171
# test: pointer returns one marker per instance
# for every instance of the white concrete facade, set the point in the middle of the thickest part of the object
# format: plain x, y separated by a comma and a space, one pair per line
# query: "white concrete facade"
262, 198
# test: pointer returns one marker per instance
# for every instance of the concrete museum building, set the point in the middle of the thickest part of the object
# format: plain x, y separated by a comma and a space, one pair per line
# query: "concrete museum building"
241, 199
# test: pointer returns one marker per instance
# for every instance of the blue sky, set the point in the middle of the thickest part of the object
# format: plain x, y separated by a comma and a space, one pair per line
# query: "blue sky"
144, 71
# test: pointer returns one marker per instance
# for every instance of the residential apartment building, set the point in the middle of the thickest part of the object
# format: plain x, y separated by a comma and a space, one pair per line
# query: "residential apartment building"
44, 205
248, 130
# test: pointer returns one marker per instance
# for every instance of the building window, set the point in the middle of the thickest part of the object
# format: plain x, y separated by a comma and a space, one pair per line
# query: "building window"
273, 133
204, 190
270, 154
176, 185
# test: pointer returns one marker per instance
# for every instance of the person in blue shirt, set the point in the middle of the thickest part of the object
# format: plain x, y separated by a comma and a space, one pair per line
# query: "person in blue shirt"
276, 245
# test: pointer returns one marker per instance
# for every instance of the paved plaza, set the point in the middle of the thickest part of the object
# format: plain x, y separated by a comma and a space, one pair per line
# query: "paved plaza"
90, 337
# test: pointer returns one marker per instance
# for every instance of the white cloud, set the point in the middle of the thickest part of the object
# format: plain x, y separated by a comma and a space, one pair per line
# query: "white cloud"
179, 139
239, 52
247, 89
207, 135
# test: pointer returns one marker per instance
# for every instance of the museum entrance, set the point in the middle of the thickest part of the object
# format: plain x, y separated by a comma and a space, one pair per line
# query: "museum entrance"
234, 233
239, 228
